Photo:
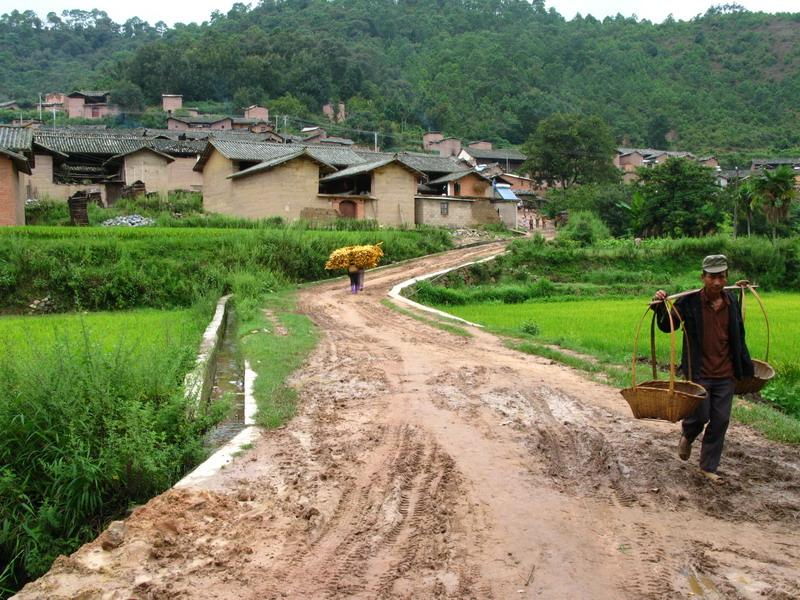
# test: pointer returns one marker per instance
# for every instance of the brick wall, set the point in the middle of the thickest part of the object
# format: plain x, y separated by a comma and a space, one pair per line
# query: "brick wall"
182, 176
428, 211
395, 188
39, 184
149, 168
12, 205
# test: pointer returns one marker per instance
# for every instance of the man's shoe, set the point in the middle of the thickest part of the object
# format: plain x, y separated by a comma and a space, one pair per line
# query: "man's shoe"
684, 448
712, 477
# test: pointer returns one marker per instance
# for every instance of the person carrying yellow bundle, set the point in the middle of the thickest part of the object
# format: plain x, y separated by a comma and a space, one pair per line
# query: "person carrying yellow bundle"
355, 259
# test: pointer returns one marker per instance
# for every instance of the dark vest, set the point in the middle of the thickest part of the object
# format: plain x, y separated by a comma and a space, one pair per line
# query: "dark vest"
691, 311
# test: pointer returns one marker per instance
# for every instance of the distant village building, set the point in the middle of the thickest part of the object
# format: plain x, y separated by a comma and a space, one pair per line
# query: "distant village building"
171, 102
215, 123
16, 158
627, 160
9, 105
89, 105
339, 115
509, 159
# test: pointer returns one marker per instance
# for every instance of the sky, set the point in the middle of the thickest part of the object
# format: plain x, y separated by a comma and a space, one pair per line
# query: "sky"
200, 10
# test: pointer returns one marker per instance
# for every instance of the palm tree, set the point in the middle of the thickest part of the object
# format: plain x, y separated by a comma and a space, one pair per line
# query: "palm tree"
775, 191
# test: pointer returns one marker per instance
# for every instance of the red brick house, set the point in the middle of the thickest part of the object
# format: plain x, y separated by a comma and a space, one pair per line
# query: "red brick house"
15, 158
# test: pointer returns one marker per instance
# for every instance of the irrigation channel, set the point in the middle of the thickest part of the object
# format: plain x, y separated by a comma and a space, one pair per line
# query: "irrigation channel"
228, 381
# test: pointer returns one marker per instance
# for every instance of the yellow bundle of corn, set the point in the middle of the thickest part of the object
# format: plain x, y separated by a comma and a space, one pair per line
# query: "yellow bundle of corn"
363, 257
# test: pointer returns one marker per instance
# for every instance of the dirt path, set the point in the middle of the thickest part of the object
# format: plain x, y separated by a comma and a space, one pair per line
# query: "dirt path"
425, 465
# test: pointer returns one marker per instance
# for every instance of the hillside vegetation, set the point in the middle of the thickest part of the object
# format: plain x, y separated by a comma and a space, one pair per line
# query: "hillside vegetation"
473, 68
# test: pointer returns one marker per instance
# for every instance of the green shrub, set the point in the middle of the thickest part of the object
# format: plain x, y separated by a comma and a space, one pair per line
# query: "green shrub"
87, 430
585, 228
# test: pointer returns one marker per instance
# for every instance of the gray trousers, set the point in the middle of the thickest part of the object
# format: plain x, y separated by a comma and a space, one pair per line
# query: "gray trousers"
716, 411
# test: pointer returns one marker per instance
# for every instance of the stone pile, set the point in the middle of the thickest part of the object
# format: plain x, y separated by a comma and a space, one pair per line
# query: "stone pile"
41, 305
128, 221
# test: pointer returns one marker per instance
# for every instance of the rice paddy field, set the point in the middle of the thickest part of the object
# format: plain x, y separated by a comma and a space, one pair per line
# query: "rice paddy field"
606, 327
137, 330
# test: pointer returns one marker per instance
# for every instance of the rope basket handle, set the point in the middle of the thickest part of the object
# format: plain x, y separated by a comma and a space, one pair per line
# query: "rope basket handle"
670, 306
746, 285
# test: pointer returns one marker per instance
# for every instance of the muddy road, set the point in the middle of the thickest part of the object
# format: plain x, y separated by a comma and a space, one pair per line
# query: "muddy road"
426, 465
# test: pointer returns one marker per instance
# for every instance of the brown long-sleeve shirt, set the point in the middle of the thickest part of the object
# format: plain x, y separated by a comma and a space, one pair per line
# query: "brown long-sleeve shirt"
716, 350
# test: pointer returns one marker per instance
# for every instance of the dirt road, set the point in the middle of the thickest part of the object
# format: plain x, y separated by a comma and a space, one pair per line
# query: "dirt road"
425, 465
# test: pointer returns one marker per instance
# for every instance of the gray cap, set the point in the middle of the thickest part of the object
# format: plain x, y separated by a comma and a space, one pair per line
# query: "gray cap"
715, 263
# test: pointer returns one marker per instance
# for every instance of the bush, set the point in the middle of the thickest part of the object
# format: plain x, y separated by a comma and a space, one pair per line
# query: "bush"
584, 227
87, 430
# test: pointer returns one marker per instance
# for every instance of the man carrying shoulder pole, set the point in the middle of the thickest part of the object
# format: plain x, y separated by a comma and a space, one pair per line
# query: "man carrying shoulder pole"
715, 341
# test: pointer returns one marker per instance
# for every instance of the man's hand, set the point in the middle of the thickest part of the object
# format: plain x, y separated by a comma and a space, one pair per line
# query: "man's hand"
658, 298
742, 283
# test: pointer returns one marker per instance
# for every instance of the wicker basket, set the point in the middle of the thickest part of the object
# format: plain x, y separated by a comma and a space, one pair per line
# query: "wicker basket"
763, 372
653, 399
668, 400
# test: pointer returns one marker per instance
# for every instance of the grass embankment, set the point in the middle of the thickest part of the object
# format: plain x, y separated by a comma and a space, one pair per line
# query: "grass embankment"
543, 313
111, 268
276, 340
93, 418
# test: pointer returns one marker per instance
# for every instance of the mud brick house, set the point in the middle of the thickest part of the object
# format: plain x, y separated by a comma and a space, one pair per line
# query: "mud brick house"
256, 180
89, 105
760, 164
477, 154
16, 157
215, 123
628, 160
382, 189
106, 161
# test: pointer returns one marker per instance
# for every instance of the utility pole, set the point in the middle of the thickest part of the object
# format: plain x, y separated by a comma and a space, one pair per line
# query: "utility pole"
375, 133
40, 107
54, 118
736, 202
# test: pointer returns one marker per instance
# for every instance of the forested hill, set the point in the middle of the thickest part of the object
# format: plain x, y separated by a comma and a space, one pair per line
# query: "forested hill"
472, 68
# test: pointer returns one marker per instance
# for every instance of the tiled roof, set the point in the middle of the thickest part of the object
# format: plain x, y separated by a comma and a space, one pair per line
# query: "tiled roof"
426, 163
760, 162
90, 93
371, 166
20, 161
456, 176
144, 146
496, 154
85, 143
652, 152
203, 119
16, 139
338, 156
269, 164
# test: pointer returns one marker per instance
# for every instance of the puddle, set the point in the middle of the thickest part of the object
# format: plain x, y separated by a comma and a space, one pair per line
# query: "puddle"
228, 380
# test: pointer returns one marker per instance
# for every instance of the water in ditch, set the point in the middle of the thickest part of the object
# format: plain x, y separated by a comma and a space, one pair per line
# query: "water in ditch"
228, 381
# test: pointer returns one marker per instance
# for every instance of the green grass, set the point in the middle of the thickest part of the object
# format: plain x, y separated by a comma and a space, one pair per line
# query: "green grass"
93, 418
274, 357
605, 329
438, 324
143, 328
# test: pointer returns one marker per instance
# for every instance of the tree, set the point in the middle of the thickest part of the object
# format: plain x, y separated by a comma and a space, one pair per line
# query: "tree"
128, 96
677, 198
568, 149
775, 190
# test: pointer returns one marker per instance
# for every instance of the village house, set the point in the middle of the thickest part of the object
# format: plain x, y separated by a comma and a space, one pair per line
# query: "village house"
15, 159
760, 164
105, 162
214, 123
627, 160
9, 105
257, 180
477, 153
89, 105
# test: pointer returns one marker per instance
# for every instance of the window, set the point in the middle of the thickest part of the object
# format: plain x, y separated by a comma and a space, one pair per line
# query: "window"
444, 208
456, 189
